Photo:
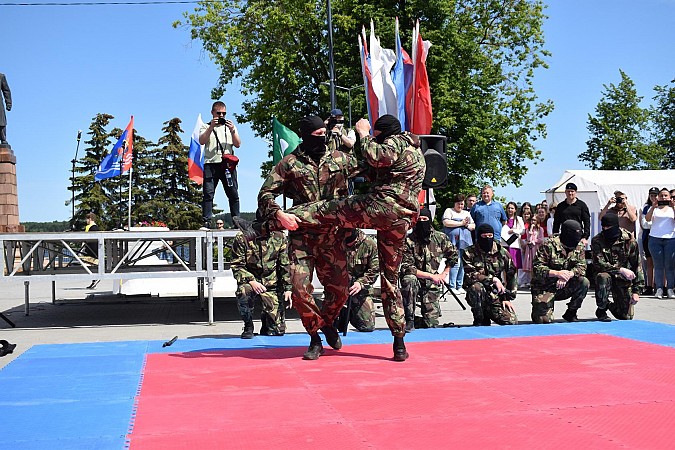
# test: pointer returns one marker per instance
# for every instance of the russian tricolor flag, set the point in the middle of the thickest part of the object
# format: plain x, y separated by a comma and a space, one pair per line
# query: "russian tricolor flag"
196, 154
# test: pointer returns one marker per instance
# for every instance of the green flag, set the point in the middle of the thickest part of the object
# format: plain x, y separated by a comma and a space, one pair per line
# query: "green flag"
284, 141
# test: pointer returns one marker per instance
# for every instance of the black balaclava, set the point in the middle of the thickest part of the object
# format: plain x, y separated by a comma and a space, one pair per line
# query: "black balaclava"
612, 233
485, 244
314, 146
351, 238
570, 234
388, 125
423, 227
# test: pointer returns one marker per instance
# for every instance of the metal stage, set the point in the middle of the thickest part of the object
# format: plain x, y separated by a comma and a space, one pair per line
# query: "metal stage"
122, 255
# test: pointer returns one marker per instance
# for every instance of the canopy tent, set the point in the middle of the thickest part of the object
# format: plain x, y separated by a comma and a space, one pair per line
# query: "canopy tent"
596, 187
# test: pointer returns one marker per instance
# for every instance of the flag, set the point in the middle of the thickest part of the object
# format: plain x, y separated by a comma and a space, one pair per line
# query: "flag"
196, 154
381, 62
120, 158
402, 79
284, 141
371, 98
421, 93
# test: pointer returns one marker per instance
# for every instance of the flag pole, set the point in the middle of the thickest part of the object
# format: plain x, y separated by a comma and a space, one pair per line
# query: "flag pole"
131, 169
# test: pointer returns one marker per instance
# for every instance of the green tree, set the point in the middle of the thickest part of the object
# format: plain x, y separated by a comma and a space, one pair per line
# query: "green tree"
618, 132
663, 117
173, 198
89, 194
481, 67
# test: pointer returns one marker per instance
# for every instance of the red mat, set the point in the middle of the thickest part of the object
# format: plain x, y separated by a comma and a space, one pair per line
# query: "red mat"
593, 391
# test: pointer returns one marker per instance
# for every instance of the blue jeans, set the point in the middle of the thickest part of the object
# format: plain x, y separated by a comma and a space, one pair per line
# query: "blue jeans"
663, 255
457, 273
213, 173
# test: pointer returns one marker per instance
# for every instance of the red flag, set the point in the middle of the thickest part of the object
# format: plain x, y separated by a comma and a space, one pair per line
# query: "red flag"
371, 99
422, 115
128, 146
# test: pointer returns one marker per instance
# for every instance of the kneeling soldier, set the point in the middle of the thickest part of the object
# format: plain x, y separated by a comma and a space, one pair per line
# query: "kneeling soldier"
486, 265
559, 269
261, 267
616, 259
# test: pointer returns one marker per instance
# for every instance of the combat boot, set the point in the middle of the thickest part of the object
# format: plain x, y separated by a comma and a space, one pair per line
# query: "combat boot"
248, 331
602, 316
315, 348
400, 353
332, 336
570, 315
250, 230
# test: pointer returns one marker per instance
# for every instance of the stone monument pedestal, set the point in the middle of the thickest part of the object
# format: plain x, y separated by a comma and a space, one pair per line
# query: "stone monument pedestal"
9, 200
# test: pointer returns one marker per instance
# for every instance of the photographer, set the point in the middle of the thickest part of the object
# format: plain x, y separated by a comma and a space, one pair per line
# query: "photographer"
219, 138
340, 138
627, 213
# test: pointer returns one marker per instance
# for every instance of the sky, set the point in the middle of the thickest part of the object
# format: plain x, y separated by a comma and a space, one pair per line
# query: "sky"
65, 64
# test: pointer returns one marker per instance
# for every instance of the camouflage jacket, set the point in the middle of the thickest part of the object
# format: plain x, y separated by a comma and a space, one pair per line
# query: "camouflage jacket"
396, 170
264, 260
482, 267
552, 256
363, 264
301, 179
427, 257
623, 253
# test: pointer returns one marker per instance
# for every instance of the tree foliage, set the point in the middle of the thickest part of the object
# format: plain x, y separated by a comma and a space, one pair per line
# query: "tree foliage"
619, 131
481, 66
663, 118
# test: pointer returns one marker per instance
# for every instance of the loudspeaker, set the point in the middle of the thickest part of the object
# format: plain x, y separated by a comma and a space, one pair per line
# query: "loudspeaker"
435, 151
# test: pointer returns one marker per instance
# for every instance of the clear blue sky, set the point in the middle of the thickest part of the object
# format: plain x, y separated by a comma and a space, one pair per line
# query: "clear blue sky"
66, 64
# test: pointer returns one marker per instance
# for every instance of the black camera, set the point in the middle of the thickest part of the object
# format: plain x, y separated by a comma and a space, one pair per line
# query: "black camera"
664, 202
221, 121
619, 200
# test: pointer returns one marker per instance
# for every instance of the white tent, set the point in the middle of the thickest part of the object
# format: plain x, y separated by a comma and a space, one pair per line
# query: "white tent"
596, 187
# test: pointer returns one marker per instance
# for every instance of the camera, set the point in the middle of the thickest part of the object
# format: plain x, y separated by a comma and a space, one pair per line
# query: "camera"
664, 202
619, 200
221, 121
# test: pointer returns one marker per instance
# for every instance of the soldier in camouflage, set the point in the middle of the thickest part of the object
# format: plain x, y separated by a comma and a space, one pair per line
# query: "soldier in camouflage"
559, 269
616, 260
396, 168
363, 267
490, 280
311, 173
420, 279
261, 269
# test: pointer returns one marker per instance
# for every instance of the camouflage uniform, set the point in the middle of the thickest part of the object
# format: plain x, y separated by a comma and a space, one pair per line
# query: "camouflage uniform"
553, 256
396, 169
480, 268
427, 258
301, 179
264, 260
607, 260
363, 267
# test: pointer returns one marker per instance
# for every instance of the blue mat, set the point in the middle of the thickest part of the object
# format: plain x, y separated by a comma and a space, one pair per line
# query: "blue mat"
81, 396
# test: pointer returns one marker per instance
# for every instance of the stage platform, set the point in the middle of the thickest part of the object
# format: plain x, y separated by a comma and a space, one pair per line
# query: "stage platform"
590, 384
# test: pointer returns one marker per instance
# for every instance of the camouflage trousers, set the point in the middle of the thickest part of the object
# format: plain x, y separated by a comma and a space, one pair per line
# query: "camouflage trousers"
369, 212
429, 300
272, 316
487, 307
620, 289
325, 253
362, 312
543, 299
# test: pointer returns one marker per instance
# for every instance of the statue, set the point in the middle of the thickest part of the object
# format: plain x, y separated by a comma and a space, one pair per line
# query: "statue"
7, 94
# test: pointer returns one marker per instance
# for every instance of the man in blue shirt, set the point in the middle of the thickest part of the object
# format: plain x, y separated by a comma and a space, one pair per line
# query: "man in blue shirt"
489, 211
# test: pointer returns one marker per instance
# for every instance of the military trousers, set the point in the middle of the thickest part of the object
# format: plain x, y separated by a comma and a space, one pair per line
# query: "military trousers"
620, 288
428, 299
543, 299
367, 211
487, 307
272, 315
324, 252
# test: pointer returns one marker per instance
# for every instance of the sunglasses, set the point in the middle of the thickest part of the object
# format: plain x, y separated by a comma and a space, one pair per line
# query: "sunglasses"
219, 223
220, 113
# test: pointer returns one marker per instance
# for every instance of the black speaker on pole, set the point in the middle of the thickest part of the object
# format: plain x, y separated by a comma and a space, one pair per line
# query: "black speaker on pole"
435, 150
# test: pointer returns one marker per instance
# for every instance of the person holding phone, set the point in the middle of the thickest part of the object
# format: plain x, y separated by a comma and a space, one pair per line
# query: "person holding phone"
662, 243
219, 138
626, 212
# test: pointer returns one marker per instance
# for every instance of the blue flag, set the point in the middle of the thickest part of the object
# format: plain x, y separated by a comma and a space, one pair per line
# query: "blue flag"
121, 152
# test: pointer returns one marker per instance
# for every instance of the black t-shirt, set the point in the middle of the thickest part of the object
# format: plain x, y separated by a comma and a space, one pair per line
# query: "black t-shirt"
577, 211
